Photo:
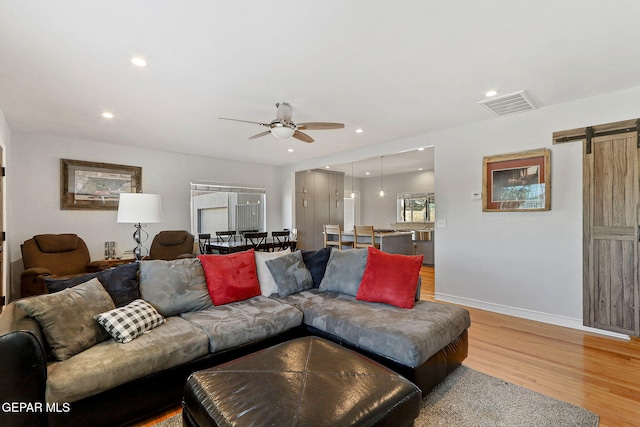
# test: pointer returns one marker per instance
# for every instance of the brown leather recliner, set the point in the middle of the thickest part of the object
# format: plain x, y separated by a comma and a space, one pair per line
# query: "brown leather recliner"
169, 245
54, 256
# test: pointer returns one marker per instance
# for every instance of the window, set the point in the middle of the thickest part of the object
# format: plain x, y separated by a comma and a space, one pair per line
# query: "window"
416, 207
351, 211
217, 207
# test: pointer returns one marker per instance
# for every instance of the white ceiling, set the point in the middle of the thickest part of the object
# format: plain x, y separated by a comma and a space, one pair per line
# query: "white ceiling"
395, 69
404, 162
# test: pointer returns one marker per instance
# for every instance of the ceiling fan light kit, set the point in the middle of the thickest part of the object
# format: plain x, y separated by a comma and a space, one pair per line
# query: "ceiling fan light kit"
283, 127
282, 130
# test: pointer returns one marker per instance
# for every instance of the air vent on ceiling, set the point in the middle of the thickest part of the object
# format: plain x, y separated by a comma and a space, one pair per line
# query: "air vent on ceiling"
508, 104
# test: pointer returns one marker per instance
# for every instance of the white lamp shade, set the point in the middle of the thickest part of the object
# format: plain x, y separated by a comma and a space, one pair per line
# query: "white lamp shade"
139, 208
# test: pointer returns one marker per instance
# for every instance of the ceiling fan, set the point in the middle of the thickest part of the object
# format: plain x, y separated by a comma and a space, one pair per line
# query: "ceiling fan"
282, 126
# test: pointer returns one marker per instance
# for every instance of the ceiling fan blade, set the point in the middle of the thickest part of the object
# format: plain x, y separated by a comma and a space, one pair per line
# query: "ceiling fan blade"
320, 125
266, 132
244, 121
302, 136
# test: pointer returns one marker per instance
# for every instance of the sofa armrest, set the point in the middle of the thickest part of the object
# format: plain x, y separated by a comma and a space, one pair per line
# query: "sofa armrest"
32, 281
23, 371
35, 271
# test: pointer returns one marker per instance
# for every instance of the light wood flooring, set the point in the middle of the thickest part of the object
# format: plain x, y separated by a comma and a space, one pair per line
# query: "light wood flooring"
595, 372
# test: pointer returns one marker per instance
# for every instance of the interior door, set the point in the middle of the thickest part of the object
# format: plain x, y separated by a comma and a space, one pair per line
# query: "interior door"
611, 232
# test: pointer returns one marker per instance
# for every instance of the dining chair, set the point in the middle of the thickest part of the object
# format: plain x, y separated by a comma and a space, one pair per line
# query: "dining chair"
257, 239
225, 236
366, 232
333, 236
204, 240
280, 240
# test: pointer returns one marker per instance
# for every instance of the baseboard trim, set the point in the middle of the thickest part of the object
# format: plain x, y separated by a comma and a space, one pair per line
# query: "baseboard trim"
523, 313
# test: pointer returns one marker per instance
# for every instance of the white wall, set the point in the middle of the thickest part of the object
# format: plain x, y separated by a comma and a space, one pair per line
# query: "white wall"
35, 193
381, 212
527, 264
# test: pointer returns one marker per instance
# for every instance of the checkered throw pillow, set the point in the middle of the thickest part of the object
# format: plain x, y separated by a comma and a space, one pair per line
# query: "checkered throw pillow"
126, 323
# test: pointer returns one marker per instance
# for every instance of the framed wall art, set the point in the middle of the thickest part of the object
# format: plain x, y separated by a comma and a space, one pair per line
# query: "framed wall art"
517, 182
96, 186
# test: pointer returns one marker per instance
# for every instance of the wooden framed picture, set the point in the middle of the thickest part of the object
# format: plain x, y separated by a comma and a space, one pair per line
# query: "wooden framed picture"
517, 182
96, 186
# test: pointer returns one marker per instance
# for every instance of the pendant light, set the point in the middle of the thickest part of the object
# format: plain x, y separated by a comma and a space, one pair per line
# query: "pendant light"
381, 190
353, 195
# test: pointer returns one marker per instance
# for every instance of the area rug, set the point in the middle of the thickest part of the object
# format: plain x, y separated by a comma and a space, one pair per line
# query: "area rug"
469, 398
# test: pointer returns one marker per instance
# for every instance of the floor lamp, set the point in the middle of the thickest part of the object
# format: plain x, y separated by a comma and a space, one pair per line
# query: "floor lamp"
139, 209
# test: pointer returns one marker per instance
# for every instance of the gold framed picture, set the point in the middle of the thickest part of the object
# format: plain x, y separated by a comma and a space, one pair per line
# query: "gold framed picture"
96, 186
517, 182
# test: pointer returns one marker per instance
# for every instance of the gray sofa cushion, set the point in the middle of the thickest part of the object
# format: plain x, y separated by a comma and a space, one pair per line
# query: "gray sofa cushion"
174, 287
243, 322
290, 274
408, 337
66, 317
110, 364
344, 271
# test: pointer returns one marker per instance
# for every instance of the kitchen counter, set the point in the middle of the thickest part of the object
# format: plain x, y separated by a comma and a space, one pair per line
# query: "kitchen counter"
390, 241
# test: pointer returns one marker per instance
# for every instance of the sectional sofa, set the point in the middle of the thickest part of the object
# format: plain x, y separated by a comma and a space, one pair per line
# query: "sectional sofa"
115, 346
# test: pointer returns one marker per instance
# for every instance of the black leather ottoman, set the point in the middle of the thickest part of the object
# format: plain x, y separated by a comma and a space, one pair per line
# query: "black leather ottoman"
304, 382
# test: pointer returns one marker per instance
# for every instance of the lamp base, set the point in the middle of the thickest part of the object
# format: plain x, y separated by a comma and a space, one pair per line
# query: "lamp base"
139, 236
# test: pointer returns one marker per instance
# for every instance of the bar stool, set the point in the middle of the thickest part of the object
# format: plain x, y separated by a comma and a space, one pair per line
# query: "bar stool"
335, 232
368, 233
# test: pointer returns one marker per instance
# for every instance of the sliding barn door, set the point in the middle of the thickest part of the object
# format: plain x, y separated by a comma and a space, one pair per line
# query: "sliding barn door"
611, 232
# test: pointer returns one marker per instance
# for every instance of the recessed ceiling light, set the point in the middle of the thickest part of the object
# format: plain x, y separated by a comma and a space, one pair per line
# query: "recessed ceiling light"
419, 169
290, 150
359, 130
491, 93
139, 61
367, 173
107, 115
421, 149
327, 167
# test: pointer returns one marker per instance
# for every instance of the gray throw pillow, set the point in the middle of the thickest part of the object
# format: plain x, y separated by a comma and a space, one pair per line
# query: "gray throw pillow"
265, 278
174, 287
290, 274
66, 317
344, 271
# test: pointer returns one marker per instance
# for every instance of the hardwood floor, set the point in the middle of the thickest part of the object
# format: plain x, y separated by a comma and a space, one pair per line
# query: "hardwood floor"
595, 372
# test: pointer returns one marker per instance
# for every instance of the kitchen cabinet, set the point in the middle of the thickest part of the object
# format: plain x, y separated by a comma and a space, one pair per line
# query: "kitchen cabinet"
426, 248
319, 200
304, 182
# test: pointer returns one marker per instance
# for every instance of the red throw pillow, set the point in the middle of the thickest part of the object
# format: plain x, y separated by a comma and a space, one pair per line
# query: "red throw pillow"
390, 278
231, 277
